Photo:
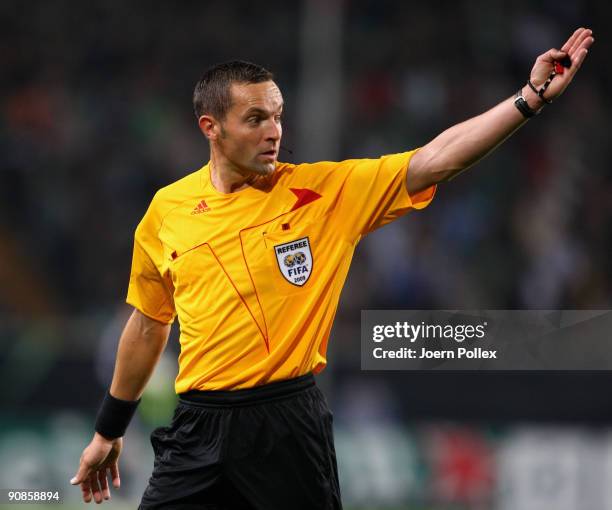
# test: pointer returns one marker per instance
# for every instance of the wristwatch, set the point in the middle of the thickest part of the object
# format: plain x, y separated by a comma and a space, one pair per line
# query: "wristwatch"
522, 106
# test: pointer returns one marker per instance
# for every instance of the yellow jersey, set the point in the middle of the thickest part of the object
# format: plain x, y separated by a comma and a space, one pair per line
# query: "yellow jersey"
255, 276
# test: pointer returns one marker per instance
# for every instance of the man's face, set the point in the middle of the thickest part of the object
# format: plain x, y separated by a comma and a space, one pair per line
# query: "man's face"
251, 132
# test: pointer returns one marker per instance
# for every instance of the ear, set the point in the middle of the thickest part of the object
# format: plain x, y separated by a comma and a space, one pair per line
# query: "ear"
209, 126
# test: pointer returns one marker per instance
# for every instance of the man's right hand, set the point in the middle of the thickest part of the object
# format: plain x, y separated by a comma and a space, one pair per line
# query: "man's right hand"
99, 457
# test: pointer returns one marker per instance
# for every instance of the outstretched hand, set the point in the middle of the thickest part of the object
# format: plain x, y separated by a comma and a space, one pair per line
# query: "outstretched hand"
576, 48
99, 457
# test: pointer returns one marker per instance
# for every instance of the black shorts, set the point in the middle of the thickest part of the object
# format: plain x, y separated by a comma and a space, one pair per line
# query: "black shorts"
265, 448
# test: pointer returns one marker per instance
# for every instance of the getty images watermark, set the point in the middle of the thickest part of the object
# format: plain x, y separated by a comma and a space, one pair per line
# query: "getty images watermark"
414, 332
486, 340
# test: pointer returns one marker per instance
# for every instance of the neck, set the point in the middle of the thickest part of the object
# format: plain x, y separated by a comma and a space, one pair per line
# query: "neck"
227, 178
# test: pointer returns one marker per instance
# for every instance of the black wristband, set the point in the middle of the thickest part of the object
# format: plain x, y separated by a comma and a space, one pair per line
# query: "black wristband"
114, 416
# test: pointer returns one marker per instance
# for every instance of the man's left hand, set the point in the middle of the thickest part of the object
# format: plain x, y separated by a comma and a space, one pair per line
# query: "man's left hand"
576, 48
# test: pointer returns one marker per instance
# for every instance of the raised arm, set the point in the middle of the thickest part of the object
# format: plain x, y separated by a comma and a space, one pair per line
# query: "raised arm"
464, 144
140, 347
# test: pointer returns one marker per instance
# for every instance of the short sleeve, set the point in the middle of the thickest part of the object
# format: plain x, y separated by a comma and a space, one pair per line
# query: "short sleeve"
374, 193
149, 290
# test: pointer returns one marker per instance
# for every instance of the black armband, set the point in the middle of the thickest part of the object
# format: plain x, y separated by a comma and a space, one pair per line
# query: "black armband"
114, 416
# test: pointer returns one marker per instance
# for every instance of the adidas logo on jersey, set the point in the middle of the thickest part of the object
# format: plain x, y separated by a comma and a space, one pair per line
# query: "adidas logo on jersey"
200, 208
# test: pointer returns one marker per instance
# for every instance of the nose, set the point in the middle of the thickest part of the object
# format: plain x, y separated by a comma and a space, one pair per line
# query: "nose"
274, 130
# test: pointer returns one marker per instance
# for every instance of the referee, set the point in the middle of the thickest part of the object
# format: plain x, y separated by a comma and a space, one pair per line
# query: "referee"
251, 254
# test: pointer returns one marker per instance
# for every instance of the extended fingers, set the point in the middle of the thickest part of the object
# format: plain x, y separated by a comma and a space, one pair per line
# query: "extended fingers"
82, 478
581, 52
582, 38
95, 487
82, 473
86, 490
578, 59
114, 469
570, 42
587, 43
104, 483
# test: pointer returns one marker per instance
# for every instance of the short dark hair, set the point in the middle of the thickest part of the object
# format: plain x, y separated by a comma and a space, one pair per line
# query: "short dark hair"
212, 94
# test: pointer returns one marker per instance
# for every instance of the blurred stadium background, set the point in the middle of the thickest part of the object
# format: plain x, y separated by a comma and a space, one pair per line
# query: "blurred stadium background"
96, 115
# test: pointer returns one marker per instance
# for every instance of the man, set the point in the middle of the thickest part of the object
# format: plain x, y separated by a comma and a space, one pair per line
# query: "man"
251, 254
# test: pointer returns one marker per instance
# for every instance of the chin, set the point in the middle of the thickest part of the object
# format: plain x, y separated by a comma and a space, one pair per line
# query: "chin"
264, 168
